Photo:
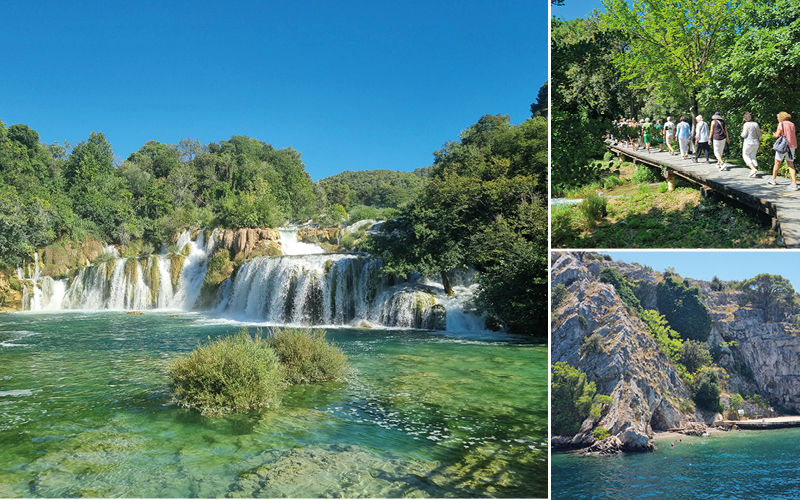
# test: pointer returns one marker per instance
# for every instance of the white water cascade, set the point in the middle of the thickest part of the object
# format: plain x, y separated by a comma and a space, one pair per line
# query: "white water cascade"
40, 293
290, 245
302, 287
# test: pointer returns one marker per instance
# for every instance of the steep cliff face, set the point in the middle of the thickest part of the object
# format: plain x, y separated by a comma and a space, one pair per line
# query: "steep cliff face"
644, 386
771, 351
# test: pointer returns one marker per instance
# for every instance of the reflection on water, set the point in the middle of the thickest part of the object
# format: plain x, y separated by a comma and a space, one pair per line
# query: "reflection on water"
85, 411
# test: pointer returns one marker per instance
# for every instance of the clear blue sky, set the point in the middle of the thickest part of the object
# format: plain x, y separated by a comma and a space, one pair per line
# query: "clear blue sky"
577, 8
352, 85
727, 265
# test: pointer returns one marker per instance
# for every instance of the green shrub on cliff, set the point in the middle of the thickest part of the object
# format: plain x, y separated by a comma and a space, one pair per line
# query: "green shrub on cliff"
622, 286
571, 398
229, 375
681, 305
706, 390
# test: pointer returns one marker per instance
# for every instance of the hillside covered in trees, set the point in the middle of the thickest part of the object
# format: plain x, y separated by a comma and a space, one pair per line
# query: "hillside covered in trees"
481, 204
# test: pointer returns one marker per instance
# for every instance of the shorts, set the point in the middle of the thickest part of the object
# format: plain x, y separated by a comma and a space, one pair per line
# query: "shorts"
781, 156
719, 147
670, 136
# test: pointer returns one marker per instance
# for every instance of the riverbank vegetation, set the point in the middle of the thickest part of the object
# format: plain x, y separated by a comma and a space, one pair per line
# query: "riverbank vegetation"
628, 60
240, 373
482, 204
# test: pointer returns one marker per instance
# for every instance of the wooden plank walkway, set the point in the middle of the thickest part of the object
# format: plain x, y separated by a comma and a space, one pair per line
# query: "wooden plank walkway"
734, 183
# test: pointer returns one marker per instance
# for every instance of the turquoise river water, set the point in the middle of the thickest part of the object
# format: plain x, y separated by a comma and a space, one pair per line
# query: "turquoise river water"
85, 411
733, 465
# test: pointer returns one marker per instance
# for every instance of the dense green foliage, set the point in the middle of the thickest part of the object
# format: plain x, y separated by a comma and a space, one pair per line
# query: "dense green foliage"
232, 374
639, 58
373, 188
53, 191
306, 356
571, 398
770, 293
682, 307
622, 286
668, 340
240, 373
694, 355
706, 390
484, 206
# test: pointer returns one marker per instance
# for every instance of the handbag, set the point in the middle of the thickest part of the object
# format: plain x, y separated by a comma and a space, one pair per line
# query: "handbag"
781, 143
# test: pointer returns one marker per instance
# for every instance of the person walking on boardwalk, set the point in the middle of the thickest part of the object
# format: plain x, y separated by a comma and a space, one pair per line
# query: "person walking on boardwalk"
647, 132
702, 139
751, 133
659, 128
719, 134
786, 129
684, 133
669, 134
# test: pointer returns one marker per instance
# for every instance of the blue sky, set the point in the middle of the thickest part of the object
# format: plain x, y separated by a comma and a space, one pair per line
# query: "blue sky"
352, 85
577, 8
727, 265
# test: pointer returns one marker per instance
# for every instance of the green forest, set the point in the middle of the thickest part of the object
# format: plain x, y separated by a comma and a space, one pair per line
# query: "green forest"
482, 203
647, 59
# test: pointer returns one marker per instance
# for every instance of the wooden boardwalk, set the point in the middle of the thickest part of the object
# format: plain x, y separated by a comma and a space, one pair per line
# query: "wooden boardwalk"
776, 201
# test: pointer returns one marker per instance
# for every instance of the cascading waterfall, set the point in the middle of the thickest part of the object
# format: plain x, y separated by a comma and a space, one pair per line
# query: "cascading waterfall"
309, 288
163, 281
291, 246
40, 293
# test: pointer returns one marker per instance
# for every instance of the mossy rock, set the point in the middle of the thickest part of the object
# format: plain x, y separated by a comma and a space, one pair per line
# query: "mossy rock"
56, 271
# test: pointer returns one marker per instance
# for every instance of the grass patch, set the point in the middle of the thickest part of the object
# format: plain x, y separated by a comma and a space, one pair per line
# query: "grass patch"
647, 218
306, 356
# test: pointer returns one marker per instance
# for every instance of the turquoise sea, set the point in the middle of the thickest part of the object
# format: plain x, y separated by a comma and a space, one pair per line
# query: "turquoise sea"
734, 465
85, 411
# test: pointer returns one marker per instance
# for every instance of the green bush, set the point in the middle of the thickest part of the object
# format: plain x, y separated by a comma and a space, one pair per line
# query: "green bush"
706, 390
306, 356
682, 307
230, 374
571, 398
600, 433
594, 208
644, 175
592, 343
560, 294
622, 286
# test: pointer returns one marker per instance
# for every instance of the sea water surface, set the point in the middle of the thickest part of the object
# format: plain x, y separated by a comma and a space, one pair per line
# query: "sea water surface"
85, 411
733, 465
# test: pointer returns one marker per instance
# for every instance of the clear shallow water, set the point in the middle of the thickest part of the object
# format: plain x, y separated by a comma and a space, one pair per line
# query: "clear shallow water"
84, 411
746, 464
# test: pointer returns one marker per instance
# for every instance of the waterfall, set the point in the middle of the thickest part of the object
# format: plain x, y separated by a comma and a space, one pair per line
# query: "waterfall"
309, 288
290, 245
40, 293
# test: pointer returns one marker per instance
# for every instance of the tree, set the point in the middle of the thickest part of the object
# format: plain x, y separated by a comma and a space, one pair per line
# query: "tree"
673, 45
682, 307
571, 398
693, 355
89, 160
758, 74
706, 390
768, 292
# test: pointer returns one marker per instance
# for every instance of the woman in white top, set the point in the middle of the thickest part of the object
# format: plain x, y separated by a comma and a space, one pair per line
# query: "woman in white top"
752, 137
669, 134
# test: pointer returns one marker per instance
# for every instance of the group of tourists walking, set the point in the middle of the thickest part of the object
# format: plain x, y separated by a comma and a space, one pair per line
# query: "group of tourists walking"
707, 138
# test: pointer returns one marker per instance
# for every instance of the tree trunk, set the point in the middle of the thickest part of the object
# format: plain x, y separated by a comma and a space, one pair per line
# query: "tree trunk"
448, 289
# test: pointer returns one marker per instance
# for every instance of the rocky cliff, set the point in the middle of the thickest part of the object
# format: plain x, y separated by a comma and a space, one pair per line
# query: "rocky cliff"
644, 386
758, 357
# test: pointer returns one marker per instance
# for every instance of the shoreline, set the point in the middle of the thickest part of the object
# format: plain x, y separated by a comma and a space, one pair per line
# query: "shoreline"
760, 424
